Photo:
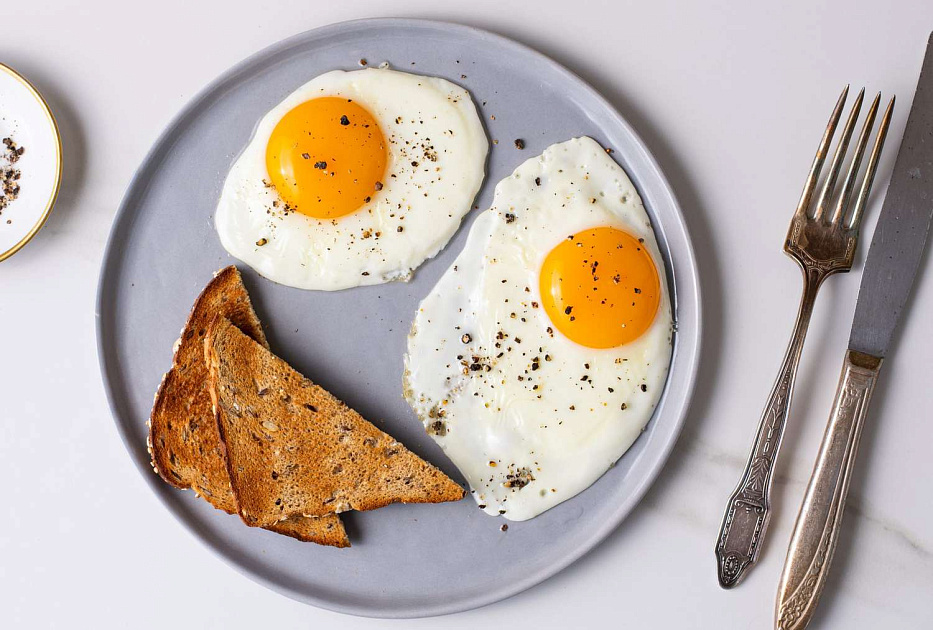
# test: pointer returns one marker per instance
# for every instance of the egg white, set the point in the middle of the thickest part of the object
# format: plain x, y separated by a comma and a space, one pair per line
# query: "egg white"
496, 384
426, 192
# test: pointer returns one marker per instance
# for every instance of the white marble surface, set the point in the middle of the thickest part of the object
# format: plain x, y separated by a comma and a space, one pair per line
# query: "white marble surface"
732, 100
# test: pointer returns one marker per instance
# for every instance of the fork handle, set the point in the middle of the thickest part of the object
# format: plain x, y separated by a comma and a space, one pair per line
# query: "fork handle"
816, 532
749, 509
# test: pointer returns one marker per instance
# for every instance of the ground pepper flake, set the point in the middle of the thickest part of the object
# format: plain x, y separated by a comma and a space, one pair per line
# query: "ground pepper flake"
9, 174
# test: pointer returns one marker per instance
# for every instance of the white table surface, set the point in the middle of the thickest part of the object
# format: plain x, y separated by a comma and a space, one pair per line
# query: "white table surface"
731, 100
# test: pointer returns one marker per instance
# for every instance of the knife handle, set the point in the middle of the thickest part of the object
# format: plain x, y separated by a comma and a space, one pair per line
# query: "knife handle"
816, 532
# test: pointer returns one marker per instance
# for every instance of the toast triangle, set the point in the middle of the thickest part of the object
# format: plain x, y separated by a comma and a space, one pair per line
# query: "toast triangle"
292, 448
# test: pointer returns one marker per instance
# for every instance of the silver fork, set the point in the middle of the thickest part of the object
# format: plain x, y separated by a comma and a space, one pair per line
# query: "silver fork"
823, 243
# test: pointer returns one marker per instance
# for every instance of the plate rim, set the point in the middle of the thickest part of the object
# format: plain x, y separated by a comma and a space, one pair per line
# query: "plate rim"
687, 353
58, 166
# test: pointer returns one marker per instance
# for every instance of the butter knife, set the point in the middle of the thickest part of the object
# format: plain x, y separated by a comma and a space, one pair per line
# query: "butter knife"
893, 261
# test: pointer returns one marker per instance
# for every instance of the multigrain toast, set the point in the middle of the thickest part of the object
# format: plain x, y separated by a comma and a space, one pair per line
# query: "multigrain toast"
292, 448
183, 438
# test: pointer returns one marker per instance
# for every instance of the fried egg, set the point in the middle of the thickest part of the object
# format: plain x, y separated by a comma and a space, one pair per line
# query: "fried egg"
356, 178
540, 355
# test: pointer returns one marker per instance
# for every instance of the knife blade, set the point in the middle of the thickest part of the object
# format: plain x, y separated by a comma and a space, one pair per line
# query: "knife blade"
893, 261
901, 232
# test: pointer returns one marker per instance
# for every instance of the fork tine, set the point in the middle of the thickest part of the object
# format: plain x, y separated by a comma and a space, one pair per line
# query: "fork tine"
821, 154
830, 184
872, 166
849, 183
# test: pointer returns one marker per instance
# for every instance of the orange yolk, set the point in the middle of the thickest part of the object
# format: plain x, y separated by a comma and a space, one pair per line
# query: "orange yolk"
326, 157
600, 287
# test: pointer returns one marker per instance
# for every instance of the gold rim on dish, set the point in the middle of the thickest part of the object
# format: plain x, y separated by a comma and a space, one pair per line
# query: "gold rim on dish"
58, 167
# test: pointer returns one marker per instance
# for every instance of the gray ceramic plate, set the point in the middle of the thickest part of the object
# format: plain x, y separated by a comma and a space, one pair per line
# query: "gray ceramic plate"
406, 561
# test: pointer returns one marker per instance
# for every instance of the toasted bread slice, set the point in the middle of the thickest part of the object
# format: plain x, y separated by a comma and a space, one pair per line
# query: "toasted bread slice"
183, 439
292, 448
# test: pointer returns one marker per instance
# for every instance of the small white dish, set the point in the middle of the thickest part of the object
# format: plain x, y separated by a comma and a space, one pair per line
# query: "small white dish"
25, 117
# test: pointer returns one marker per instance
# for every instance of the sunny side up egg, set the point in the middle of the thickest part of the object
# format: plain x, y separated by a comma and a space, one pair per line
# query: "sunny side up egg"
356, 178
540, 355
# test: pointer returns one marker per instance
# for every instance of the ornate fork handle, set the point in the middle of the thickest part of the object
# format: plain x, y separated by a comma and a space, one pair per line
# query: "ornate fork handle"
749, 508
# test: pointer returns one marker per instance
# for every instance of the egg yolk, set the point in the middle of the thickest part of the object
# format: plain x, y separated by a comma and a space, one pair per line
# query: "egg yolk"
326, 157
600, 287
